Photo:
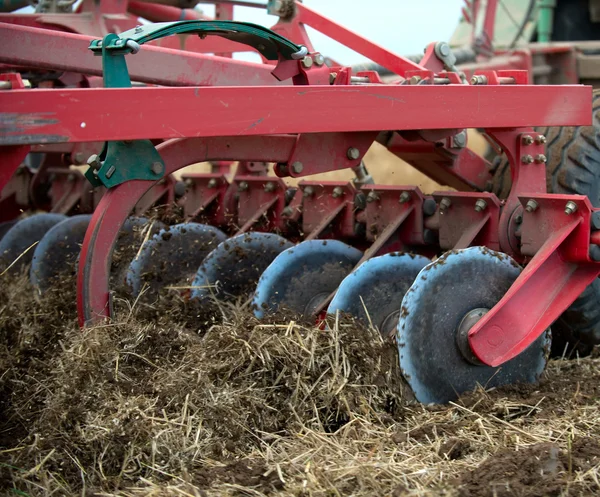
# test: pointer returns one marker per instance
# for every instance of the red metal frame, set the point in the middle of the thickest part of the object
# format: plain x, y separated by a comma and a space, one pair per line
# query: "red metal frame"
49, 116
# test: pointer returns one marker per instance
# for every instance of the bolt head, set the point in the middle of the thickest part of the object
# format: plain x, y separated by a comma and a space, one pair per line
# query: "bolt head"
94, 162
319, 59
212, 183
415, 80
297, 167
243, 186
540, 139
269, 187
480, 205
404, 197
372, 197
307, 62
540, 158
337, 192
531, 206
527, 159
188, 182
527, 140
445, 203
308, 192
332, 77
353, 153
157, 168
287, 211
460, 140
570, 208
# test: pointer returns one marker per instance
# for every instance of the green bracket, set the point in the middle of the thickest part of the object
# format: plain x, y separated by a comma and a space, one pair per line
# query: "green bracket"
122, 161
271, 45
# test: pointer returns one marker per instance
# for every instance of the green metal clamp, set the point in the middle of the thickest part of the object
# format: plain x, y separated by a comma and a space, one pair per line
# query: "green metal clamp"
122, 161
269, 44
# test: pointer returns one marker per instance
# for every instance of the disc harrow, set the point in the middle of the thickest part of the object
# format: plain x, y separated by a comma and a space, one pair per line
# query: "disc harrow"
466, 283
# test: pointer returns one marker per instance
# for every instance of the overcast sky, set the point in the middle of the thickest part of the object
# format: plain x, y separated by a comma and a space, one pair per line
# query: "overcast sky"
403, 26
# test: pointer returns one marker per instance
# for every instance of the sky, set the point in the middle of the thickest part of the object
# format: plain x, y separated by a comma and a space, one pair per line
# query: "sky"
402, 26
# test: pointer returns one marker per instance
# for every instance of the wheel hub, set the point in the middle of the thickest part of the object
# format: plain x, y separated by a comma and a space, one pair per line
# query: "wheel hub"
469, 320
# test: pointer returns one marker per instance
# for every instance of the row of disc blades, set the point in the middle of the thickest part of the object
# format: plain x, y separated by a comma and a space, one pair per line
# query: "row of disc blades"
419, 302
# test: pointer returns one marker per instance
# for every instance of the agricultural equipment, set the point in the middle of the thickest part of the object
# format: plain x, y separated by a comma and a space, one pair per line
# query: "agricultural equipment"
440, 273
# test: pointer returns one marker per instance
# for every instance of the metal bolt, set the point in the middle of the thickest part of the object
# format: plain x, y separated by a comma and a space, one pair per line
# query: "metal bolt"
570, 208
415, 80
540, 158
110, 172
404, 197
138, 29
479, 79
337, 192
332, 77
353, 153
527, 140
372, 197
540, 139
243, 186
297, 167
157, 168
319, 59
269, 187
94, 162
307, 62
445, 203
480, 205
287, 211
531, 206
460, 140
189, 182
527, 159
212, 183
308, 192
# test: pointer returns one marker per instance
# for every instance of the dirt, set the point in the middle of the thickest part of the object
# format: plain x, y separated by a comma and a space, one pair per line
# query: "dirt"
536, 471
165, 404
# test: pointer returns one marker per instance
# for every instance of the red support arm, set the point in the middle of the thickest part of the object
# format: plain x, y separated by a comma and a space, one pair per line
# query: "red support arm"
372, 51
57, 51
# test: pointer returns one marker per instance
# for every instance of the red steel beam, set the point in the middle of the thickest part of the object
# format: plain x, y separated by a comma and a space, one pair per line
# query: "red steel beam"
83, 115
53, 50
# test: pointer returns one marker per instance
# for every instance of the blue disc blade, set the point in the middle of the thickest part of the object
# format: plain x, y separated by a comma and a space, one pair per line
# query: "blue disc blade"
373, 292
6, 226
445, 292
56, 255
301, 277
22, 236
172, 256
128, 243
233, 268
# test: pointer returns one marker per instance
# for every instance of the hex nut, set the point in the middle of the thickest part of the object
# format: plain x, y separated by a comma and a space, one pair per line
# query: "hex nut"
353, 153
570, 208
307, 62
297, 167
157, 168
531, 206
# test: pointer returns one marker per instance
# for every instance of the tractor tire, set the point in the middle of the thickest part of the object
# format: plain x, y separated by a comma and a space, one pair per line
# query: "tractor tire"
573, 167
